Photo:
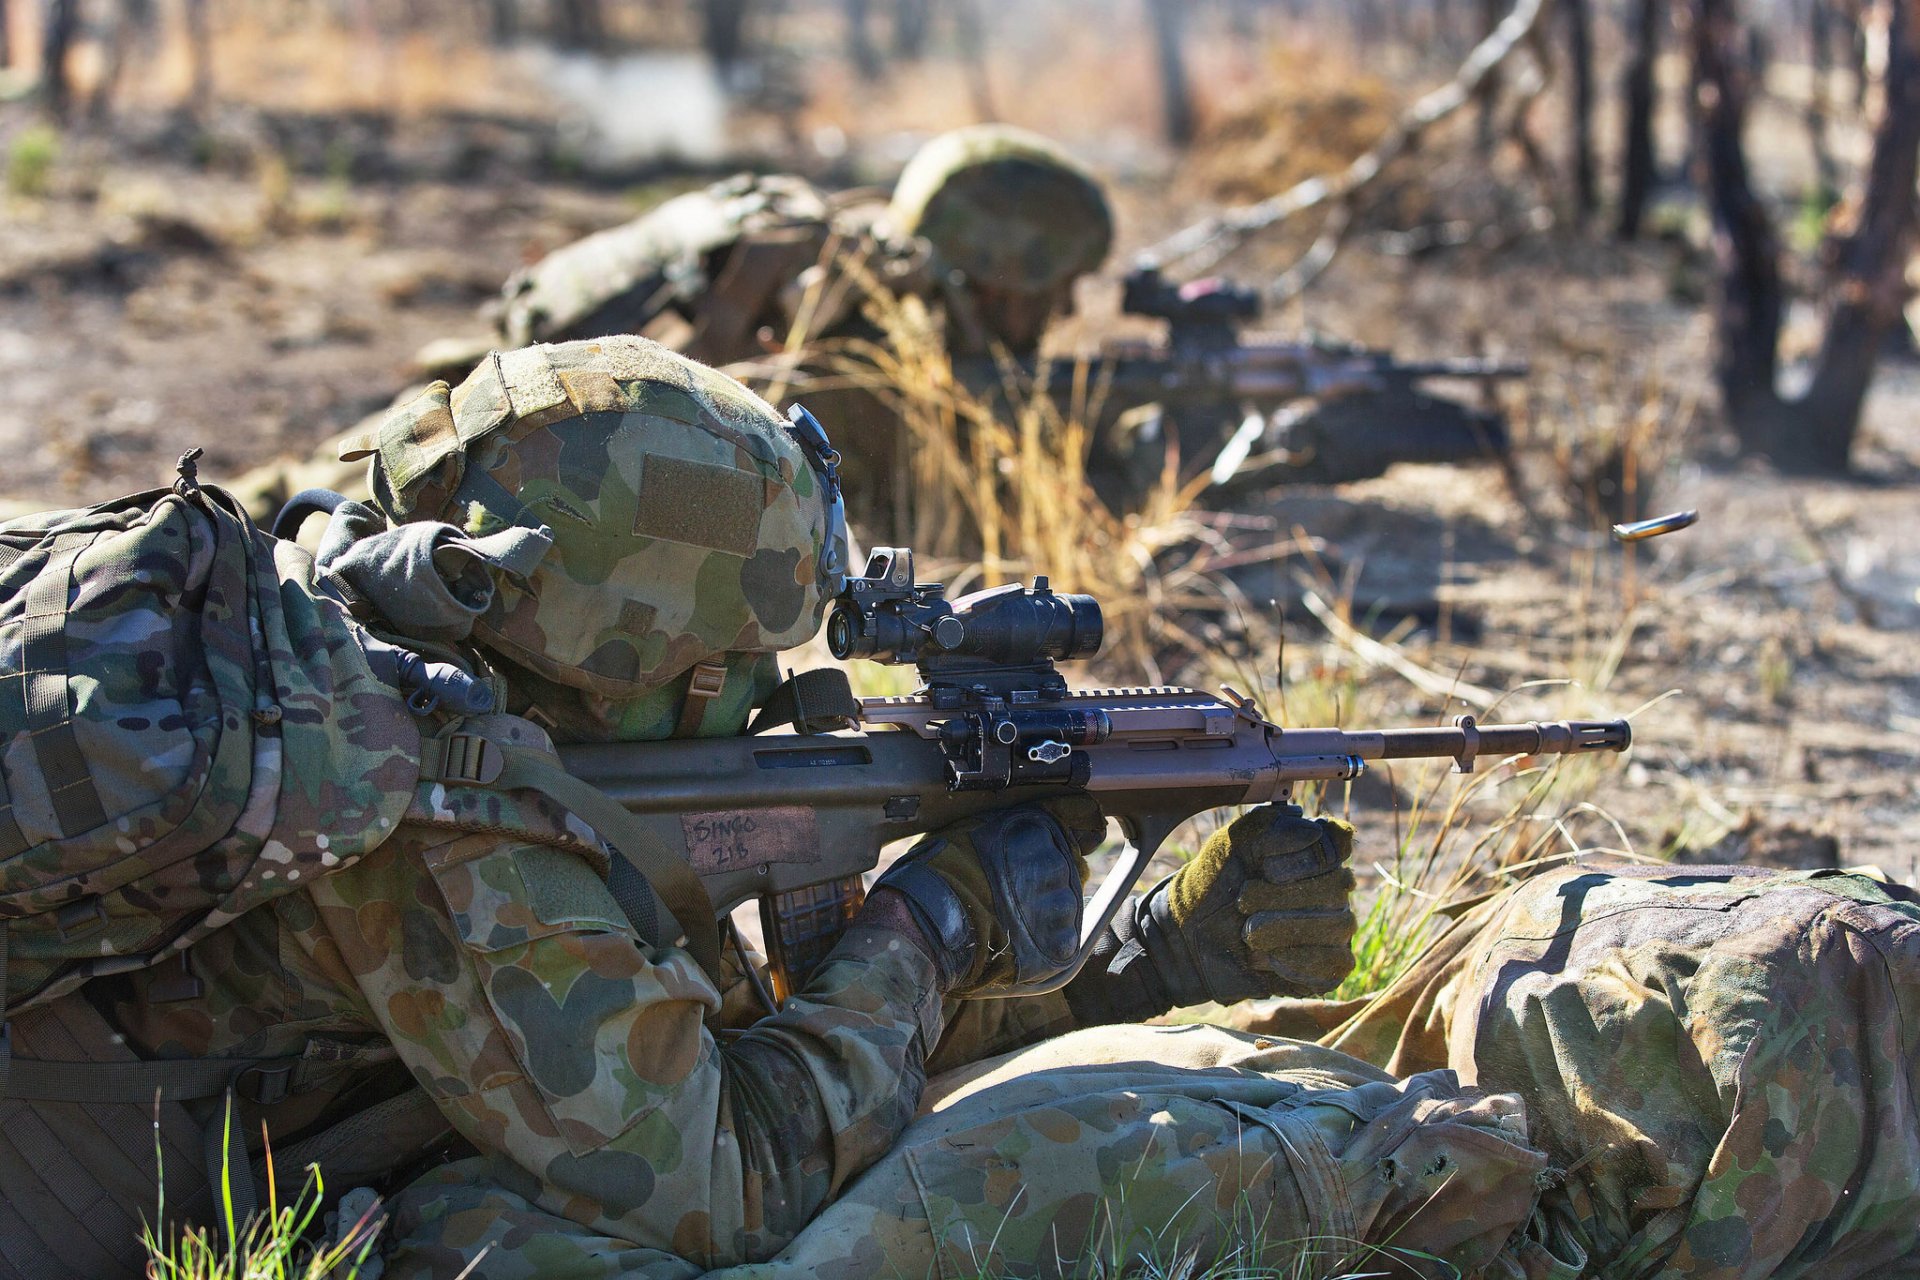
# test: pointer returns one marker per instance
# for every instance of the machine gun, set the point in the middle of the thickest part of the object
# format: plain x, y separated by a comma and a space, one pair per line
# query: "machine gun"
1260, 409
796, 819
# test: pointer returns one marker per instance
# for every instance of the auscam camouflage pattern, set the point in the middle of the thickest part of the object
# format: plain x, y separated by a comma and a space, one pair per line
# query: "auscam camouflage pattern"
1004, 206
1722, 1059
687, 522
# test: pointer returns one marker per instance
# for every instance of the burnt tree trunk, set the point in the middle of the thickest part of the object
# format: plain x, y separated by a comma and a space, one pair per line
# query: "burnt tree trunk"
1176, 95
1751, 301
58, 30
1586, 194
1814, 432
1870, 256
1637, 157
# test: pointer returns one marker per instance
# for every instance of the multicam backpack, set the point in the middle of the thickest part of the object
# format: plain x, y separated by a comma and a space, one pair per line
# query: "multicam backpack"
191, 724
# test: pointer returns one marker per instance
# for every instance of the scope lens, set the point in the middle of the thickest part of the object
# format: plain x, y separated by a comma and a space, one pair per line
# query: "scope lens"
840, 634
1084, 627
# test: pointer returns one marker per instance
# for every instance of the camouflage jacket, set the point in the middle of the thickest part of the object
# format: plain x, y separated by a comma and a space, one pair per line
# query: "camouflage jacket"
575, 1060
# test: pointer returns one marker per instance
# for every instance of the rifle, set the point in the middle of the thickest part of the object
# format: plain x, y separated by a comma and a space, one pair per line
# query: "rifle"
796, 819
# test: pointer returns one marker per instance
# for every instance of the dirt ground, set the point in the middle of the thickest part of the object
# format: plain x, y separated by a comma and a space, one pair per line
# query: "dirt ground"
148, 305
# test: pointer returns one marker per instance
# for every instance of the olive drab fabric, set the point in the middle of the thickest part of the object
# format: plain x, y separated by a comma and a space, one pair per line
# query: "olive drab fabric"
688, 523
1723, 1060
1005, 207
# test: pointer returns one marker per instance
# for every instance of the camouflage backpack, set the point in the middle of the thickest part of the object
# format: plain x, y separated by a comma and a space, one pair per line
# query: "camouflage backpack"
192, 728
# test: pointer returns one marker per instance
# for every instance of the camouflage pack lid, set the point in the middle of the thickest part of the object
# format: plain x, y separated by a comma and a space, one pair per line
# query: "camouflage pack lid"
687, 522
1005, 206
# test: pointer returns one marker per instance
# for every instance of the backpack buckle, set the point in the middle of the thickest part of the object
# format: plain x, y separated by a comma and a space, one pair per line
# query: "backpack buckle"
78, 919
264, 1083
468, 759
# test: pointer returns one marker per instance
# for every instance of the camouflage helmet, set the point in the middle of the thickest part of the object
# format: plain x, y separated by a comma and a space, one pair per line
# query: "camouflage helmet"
1005, 207
688, 520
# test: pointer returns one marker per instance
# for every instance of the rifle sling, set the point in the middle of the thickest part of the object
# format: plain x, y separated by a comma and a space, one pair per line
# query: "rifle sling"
815, 701
679, 892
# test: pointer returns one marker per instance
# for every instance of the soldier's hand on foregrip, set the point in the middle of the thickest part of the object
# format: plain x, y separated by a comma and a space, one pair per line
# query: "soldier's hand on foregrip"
1265, 909
998, 898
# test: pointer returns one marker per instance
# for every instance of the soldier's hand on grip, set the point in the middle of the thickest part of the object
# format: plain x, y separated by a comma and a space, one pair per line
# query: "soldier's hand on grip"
998, 898
1264, 909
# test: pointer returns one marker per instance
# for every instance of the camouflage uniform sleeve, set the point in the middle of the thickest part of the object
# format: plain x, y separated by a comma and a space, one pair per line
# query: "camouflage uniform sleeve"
578, 1059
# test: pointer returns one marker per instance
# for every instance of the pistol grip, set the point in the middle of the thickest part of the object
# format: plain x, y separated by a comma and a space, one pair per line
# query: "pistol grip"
802, 925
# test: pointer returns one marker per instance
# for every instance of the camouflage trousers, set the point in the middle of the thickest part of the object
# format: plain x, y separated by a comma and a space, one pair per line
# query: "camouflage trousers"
1113, 1145
1723, 1061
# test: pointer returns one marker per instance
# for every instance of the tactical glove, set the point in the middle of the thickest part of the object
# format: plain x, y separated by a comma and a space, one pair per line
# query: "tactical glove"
1264, 910
997, 898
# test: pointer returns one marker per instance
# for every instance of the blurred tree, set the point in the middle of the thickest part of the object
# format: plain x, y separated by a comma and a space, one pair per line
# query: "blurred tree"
1579, 19
1176, 95
200, 55
579, 24
1820, 24
131, 26
861, 50
1491, 12
911, 18
502, 19
6, 38
1867, 249
1637, 159
970, 32
57, 30
723, 30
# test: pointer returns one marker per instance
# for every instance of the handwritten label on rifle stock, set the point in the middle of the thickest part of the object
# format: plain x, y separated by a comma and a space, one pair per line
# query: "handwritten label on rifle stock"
742, 839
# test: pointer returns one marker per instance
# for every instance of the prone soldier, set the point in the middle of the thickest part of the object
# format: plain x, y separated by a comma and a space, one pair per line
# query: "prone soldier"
414, 955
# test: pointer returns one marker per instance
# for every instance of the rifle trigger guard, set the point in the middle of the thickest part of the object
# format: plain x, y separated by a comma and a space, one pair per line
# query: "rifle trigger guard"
1469, 743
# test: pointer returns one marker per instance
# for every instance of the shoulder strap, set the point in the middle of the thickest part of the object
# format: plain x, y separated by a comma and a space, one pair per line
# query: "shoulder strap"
666, 887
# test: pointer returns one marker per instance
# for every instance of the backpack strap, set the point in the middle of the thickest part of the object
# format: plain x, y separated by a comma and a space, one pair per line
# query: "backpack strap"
45, 689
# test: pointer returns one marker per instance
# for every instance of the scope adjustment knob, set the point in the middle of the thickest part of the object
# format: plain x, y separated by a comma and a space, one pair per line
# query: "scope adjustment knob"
949, 632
